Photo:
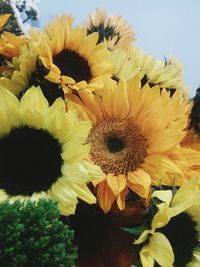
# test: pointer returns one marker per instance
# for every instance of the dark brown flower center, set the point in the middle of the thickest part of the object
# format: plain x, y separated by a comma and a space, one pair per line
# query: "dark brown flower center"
73, 65
26, 157
183, 237
118, 146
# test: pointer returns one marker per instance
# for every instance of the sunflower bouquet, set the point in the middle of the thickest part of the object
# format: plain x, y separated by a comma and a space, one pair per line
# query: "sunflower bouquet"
106, 132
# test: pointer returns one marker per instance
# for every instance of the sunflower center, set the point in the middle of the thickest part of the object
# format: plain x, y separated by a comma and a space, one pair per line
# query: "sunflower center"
117, 146
73, 65
30, 161
183, 237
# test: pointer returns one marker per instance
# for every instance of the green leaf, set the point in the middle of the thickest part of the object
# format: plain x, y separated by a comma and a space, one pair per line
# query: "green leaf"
136, 231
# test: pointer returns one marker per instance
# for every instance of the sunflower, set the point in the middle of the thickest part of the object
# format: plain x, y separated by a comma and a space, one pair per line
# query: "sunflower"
42, 151
173, 239
112, 28
73, 59
167, 74
9, 43
135, 139
25, 71
17, 77
9, 48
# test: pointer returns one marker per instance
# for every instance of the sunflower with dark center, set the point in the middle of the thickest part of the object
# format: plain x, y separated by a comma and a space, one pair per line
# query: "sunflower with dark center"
25, 71
113, 29
73, 58
42, 151
173, 239
135, 139
99, 237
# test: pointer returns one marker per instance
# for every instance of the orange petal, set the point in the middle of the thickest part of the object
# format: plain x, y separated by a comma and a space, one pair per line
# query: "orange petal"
121, 199
105, 196
140, 182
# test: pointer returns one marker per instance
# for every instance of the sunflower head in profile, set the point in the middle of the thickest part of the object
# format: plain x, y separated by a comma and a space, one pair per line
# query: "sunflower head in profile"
166, 73
126, 67
173, 237
135, 139
16, 77
112, 28
42, 151
72, 58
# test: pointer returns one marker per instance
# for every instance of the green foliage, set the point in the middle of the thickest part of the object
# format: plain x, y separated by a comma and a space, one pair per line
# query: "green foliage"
33, 236
136, 231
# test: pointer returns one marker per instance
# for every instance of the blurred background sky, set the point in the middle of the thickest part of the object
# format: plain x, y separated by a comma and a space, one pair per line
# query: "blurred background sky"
162, 27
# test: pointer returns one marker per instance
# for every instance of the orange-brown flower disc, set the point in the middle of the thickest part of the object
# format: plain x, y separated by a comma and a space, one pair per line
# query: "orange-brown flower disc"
118, 146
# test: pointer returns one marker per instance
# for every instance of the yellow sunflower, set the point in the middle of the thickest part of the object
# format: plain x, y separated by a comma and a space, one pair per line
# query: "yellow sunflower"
174, 237
73, 59
25, 71
18, 76
167, 74
114, 29
9, 43
42, 151
135, 139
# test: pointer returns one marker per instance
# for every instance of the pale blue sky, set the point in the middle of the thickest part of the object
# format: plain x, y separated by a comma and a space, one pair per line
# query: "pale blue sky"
162, 27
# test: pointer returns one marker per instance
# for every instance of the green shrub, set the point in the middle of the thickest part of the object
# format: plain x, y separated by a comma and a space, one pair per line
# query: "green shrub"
33, 236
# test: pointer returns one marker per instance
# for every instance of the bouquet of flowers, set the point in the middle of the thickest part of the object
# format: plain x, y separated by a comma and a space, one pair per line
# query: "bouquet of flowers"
99, 150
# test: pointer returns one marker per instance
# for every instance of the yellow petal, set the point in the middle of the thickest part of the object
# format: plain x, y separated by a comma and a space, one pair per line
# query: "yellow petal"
168, 138
120, 97
162, 217
121, 200
94, 171
146, 258
93, 103
187, 195
9, 111
116, 183
3, 20
162, 163
34, 99
161, 250
56, 120
75, 172
83, 193
139, 181
143, 237
108, 97
164, 195
67, 80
